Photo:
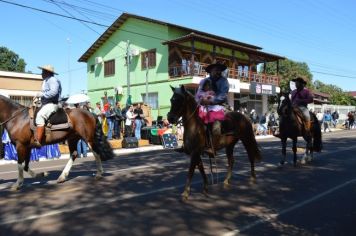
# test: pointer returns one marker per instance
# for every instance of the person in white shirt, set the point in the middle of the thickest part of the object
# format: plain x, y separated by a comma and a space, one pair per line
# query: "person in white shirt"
129, 120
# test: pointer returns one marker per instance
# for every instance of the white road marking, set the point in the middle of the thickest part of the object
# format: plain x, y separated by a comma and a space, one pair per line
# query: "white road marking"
273, 217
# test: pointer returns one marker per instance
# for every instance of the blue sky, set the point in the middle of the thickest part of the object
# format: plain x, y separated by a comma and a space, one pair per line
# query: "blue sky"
320, 33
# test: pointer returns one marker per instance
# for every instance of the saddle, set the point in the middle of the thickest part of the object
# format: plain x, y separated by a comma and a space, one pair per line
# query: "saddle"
57, 121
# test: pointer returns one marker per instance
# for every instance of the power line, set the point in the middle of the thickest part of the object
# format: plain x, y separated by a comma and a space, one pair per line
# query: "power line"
337, 75
53, 13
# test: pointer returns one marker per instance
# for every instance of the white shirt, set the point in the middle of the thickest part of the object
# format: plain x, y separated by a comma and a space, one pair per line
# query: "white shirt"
129, 117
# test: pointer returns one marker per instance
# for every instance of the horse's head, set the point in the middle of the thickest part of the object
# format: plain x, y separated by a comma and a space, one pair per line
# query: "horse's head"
284, 104
178, 104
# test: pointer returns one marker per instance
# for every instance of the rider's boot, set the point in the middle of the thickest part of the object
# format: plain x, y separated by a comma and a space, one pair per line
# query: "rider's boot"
209, 141
39, 136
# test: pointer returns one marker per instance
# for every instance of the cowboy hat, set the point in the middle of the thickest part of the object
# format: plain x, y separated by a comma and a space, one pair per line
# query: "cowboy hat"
221, 67
48, 68
300, 79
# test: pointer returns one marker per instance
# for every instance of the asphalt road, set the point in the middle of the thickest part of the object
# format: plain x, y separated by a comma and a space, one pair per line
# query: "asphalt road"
140, 195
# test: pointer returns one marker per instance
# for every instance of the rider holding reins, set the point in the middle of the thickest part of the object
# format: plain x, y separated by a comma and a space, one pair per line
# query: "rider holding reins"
49, 95
301, 97
220, 86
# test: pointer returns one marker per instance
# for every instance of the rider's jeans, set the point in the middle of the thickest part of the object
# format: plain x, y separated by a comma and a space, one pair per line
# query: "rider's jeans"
45, 112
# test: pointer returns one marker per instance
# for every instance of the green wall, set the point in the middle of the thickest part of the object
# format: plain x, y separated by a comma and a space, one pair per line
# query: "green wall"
150, 36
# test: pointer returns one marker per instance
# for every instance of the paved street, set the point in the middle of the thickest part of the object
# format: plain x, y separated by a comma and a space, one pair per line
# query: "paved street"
140, 195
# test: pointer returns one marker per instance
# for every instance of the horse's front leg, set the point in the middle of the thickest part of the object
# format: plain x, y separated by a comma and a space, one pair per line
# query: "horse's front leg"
230, 160
193, 162
294, 152
284, 151
19, 182
205, 178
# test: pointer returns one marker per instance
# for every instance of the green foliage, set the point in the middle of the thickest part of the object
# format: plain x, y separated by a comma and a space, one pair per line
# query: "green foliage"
338, 96
10, 61
289, 70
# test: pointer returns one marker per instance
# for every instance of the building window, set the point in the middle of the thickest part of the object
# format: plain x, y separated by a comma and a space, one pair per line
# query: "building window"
92, 68
109, 68
151, 56
23, 100
152, 100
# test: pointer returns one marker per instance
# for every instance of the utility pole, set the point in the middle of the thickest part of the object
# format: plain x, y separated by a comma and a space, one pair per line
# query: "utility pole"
128, 61
146, 62
69, 74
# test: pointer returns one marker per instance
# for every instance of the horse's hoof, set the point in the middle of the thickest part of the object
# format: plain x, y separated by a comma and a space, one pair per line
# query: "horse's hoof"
227, 186
253, 180
61, 179
44, 174
185, 196
16, 187
98, 177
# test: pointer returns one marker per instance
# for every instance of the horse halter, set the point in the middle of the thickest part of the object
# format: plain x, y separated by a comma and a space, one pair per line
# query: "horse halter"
181, 107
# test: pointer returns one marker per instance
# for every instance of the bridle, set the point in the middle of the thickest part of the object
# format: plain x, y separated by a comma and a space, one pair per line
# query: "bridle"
180, 121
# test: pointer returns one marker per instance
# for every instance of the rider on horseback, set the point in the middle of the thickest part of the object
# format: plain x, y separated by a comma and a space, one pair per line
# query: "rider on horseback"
50, 94
301, 97
220, 88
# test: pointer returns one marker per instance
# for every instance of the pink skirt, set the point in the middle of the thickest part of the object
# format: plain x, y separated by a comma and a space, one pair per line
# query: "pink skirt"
209, 116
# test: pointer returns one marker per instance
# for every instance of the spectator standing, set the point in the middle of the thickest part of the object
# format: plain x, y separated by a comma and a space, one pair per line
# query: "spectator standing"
138, 114
97, 111
335, 118
128, 122
327, 121
117, 121
263, 124
110, 117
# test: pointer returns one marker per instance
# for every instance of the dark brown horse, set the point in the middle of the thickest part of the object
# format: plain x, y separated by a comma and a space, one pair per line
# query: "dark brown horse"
16, 119
236, 125
292, 125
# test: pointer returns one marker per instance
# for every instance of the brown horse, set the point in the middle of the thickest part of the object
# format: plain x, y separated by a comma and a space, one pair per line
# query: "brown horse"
236, 125
16, 119
292, 126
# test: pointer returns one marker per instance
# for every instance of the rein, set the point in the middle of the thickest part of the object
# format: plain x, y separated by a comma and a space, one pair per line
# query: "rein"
191, 115
13, 116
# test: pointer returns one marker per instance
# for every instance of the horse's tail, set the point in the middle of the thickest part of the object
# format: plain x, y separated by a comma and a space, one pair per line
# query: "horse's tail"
317, 142
101, 145
247, 136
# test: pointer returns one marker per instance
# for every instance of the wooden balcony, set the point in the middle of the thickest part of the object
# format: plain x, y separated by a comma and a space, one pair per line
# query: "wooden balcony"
181, 70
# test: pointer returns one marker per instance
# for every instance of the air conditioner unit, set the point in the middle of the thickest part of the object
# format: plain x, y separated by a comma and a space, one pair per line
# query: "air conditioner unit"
135, 52
98, 60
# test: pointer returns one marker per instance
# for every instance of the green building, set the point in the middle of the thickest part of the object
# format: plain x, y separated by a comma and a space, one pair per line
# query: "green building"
162, 54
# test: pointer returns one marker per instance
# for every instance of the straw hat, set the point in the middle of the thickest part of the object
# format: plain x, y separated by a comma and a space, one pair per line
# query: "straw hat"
48, 68
221, 67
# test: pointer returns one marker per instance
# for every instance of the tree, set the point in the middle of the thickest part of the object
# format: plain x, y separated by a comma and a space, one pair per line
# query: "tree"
338, 96
289, 70
10, 61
